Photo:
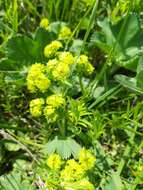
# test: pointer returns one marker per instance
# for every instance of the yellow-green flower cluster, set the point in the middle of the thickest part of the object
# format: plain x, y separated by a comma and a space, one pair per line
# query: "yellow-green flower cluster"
61, 72
66, 57
50, 110
36, 107
60, 68
86, 185
51, 65
52, 48
75, 170
54, 102
65, 33
86, 159
44, 23
83, 65
73, 173
50, 114
54, 162
37, 79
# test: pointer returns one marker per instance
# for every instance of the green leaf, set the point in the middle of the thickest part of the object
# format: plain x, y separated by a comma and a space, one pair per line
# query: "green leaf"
114, 182
64, 147
121, 41
56, 26
9, 65
14, 181
22, 50
130, 64
12, 146
129, 82
99, 40
139, 76
130, 29
97, 92
16, 78
76, 46
140, 65
106, 29
43, 37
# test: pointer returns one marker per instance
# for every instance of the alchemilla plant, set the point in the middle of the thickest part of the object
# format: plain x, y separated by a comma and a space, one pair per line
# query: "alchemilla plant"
51, 81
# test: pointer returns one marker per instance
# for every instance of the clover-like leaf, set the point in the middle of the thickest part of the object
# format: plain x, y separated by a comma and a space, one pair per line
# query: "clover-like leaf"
64, 147
13, 181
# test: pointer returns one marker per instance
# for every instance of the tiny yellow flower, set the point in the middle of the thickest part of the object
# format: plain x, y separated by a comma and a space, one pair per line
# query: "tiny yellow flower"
36, 79
52, 64
44, 23
86, 159
55, 100
66, 57
83, 59
36, 107
65, 32
49, 110
42, 83
83, 65
49, 185
61, 72
31, 85
89, 68
36, 69
51, 49
72, 171
86, 185
54, 162
50, 114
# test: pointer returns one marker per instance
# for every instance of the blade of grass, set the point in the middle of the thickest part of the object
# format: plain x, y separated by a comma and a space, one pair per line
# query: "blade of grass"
126, 153
15, 16
91, 22
105, 95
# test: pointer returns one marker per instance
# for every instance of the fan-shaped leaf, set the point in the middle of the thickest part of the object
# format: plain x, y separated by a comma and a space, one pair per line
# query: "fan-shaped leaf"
64, 147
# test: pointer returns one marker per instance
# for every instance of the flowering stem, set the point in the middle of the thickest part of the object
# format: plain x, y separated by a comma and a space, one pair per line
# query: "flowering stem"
63, 128
81, 85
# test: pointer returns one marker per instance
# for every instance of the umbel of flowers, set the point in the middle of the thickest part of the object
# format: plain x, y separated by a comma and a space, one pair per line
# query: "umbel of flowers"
57, 73
71, 174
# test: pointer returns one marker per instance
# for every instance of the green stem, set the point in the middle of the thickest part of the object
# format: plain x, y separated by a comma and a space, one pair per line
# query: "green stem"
15, 16
63, 123
81, 85
76, 28
63, 129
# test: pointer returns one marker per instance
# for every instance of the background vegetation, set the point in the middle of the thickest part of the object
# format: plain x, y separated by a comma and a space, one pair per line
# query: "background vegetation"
106, 107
